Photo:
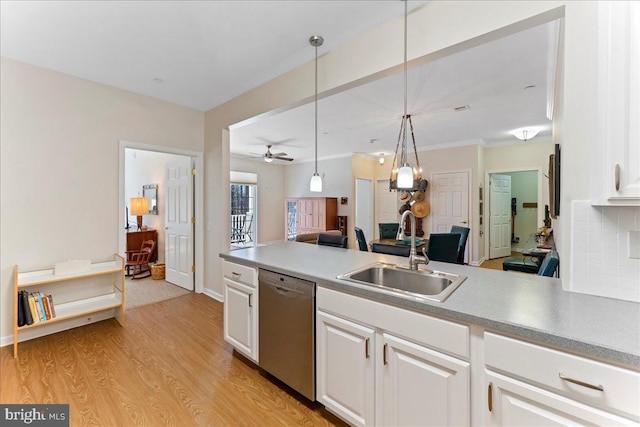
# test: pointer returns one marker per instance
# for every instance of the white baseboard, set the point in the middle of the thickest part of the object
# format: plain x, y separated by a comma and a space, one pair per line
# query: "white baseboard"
52, 328
212, 294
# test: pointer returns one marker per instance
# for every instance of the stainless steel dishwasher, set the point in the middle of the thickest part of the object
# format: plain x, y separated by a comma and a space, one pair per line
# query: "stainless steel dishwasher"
286, 330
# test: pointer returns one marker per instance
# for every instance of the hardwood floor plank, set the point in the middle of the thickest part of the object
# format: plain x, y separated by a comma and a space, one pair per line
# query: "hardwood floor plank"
169, 366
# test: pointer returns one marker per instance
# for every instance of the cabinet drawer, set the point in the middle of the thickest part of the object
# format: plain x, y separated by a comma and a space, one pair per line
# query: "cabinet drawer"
240, 273
547, 367
449, 337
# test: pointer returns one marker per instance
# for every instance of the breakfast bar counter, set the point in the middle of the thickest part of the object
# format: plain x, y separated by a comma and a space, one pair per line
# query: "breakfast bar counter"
524, 305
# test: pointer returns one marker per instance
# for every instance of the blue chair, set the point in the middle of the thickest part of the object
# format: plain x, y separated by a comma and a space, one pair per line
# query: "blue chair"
332, 240
443, 247
391, 250
462, 244
388, 230
549, 264
362, 241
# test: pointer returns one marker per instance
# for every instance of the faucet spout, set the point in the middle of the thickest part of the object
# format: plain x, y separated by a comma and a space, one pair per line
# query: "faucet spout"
414, 258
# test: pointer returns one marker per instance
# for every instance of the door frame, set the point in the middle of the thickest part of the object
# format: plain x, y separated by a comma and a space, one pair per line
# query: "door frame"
487, 174
355, 205
197, 158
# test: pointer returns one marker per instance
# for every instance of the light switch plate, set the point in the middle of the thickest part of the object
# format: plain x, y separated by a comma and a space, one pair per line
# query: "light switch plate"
634, 244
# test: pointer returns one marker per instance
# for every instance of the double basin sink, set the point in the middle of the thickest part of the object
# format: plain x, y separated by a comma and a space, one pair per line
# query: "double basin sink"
400, 280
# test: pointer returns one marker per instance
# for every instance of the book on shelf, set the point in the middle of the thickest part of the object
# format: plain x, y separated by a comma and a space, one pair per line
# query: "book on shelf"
34, 310
28, 319
21, 319
51, 307
45, 303
40, 306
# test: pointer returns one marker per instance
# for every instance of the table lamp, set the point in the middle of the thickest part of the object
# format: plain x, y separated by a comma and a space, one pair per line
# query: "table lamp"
139, 207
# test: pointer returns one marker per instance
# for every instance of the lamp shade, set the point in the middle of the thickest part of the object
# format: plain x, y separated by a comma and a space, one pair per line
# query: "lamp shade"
315, 185
405, 177
139, 206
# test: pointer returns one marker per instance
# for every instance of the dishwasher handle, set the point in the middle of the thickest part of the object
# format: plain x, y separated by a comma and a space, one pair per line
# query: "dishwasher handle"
284, 290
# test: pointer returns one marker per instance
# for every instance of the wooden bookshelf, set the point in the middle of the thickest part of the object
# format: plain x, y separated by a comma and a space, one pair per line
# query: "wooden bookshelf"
76, 308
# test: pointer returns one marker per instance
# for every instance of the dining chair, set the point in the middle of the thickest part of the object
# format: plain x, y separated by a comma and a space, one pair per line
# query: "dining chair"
332, 240
390, 250
549, 264
462, 244
362, 241
388, 230
443, 247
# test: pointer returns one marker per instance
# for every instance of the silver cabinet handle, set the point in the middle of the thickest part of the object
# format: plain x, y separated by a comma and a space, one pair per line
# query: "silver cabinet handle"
250, 303
234, 274
617, 176
581, 383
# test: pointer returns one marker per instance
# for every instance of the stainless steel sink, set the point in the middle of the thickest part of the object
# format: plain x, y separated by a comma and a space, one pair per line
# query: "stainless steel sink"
421, 284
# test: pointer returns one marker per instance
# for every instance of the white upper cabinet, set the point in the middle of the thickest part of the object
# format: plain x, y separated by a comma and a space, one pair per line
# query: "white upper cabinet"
616, 157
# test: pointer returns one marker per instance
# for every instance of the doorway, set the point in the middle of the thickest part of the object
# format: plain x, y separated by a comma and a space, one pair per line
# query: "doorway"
515, 209
364, 205
386, 205
243, 215
149, 167
450, 202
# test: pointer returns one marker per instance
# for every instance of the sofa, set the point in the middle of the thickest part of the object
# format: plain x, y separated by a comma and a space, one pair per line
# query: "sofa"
313, 237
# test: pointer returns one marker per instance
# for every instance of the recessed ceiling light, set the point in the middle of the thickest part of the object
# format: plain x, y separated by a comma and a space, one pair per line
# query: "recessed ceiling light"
158, 80
462, 108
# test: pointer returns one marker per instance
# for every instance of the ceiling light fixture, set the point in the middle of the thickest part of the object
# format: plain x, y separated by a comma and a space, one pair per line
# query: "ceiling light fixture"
315, 185
525, 134
405, 177
381, 159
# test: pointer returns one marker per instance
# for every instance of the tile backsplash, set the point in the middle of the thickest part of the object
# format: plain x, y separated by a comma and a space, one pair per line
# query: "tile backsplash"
600, 264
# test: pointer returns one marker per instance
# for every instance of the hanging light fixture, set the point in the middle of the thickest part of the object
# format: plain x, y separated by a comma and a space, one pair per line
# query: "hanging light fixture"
404, 177
525, 134
315, 185
381, 159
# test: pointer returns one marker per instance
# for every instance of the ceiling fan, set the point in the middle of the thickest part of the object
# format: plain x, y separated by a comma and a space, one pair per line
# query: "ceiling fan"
270, 157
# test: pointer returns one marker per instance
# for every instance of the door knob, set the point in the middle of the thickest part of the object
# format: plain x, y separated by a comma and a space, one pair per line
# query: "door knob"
463, 222
166, 227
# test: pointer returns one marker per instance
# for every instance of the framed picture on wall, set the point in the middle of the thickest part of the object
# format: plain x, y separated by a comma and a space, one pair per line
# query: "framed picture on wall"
554, 182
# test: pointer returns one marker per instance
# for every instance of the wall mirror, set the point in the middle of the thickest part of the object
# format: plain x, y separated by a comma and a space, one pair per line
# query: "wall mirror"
150, 192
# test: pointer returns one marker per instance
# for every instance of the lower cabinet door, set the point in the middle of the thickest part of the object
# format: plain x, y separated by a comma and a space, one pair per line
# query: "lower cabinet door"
513, 403
345, 368
422, 387
240, 318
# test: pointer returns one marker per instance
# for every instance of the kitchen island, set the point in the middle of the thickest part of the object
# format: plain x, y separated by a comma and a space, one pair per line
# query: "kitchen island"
497, 322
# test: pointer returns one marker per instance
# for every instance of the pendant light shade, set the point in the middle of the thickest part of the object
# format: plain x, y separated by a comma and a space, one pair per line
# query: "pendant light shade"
315, 185
405, 177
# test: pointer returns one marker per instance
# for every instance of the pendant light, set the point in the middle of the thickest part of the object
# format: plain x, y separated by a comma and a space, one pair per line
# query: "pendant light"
403, 177
315, 185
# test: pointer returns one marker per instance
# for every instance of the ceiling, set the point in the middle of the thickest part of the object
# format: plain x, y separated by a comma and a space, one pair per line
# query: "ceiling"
504, 82
203, 53
197, 54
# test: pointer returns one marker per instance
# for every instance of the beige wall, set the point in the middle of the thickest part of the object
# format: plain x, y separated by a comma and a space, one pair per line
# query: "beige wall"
59, 165
270, 196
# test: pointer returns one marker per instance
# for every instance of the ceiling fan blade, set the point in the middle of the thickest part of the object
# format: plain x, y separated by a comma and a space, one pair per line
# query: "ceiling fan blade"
279, 154
256, 154
287, 159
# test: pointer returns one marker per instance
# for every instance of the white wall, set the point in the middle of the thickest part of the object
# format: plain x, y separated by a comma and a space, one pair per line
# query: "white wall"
143, 167
271, 193
59, 165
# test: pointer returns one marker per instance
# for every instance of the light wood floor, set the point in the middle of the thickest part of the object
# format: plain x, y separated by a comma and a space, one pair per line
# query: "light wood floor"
496, 263
168, 366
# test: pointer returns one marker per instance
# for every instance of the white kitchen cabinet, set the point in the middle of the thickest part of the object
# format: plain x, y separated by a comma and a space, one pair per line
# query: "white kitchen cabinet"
513, 403
528, 384
377, 366
421, 386
345, 368
616, 157
241, 308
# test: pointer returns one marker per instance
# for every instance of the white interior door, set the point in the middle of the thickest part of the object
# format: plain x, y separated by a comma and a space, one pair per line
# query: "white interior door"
179, 226
387, 206
450, 203
499, 216
364, 209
